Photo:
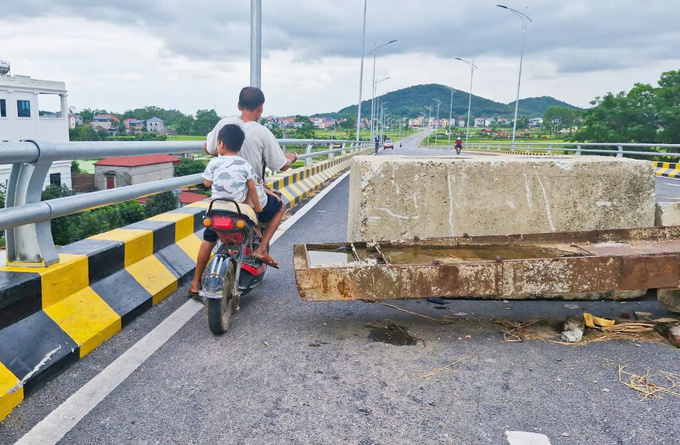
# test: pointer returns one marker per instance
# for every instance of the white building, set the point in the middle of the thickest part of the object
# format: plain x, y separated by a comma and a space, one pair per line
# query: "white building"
20, 102
20, 106
155, 125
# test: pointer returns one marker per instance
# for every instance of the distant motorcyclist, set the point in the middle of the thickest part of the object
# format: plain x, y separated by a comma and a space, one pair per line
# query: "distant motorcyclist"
459, 145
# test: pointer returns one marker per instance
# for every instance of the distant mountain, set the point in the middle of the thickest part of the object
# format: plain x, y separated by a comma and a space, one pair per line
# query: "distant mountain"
411, 102
537, 106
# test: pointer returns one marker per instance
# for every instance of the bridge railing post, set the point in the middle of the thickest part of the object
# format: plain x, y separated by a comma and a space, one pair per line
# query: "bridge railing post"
578, 150
549, 149
619, 151
309, 160
344, 152
30, 243
330, 147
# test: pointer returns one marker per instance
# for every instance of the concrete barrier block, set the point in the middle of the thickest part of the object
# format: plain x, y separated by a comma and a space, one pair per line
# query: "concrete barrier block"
667, 214
393, 197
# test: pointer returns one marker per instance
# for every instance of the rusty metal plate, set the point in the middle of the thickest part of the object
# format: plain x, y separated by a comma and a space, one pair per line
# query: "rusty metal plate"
511, 267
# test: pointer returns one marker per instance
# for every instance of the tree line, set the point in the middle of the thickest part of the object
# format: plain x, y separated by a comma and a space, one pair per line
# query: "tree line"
199, 124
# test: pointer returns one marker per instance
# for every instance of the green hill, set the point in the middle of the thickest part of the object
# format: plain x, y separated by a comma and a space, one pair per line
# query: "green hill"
537, 106
411, 102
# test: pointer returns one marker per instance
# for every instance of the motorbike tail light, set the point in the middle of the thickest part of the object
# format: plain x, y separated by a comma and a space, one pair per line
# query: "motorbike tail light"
220, 222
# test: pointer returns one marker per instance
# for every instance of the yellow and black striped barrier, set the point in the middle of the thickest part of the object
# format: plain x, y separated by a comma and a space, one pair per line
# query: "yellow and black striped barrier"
667, 169
50, 317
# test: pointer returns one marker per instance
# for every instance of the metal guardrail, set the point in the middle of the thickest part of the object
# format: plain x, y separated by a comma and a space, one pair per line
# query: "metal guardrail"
617, 149
26, 219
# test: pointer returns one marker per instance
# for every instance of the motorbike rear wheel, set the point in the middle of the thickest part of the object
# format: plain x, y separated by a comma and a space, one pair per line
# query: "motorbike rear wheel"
220, 311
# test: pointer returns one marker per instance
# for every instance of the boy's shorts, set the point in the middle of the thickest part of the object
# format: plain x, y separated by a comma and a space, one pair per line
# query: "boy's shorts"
270, 209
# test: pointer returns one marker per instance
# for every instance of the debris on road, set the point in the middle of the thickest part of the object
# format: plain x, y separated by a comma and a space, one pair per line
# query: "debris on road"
572, 306
642, 314
443, 320
597, 322
670, 331
646, 387
437, 300
573, 329
513, 332
438, 370
392, 334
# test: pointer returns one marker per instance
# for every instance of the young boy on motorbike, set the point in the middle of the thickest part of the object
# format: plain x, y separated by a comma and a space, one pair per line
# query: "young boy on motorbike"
231, 176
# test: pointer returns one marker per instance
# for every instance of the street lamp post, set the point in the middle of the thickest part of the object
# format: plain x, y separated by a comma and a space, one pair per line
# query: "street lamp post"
436, 125
429, 118
256, 43
525, 22
381, 118
472, 73
374, 54
377, 104
450, 115
361, 74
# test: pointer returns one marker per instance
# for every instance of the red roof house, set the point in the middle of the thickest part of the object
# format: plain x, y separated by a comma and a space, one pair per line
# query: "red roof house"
130, 170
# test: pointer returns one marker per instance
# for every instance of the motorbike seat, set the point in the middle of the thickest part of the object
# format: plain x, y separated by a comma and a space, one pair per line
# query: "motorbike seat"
230, 207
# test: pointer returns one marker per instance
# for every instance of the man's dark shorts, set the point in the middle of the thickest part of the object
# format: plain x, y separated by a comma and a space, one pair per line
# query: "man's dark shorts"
270, 209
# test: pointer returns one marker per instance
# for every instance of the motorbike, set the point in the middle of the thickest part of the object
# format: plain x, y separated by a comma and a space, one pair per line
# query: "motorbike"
458, 149
233, 271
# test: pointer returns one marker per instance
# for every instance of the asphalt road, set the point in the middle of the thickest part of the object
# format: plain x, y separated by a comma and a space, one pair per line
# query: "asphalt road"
667, 189
291, 372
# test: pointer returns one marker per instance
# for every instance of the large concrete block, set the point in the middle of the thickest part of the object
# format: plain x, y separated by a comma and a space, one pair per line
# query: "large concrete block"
667, 214
394, 197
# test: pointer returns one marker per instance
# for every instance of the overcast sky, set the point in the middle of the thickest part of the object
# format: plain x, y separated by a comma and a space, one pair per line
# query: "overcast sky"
192, 55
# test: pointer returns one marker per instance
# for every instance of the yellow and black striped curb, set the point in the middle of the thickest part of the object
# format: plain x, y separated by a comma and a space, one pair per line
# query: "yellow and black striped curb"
297, 184
667, 169
50, 317
516, 153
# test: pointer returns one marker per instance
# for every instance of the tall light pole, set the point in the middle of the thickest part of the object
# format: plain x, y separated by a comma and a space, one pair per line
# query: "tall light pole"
428, 122
436, 126
473, 67
374, 54
381, 118
525, 22
361, 74
450, 115
377, 101
256, 43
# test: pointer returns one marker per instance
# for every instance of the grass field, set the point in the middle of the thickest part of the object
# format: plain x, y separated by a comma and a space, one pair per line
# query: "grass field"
184, 137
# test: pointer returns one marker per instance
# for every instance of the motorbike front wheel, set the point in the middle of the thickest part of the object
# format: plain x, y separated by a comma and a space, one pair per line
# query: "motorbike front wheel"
220, 311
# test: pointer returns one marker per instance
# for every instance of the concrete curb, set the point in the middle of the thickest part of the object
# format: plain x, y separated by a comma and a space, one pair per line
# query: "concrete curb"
53, 316
667, 169
516, 153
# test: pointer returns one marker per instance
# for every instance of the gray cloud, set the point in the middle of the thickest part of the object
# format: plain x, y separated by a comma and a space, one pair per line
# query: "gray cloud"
577, 35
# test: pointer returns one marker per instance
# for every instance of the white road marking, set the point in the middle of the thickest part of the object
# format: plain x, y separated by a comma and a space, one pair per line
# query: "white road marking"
66, 416
287, 224
54, 427
523, 438
672, 185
